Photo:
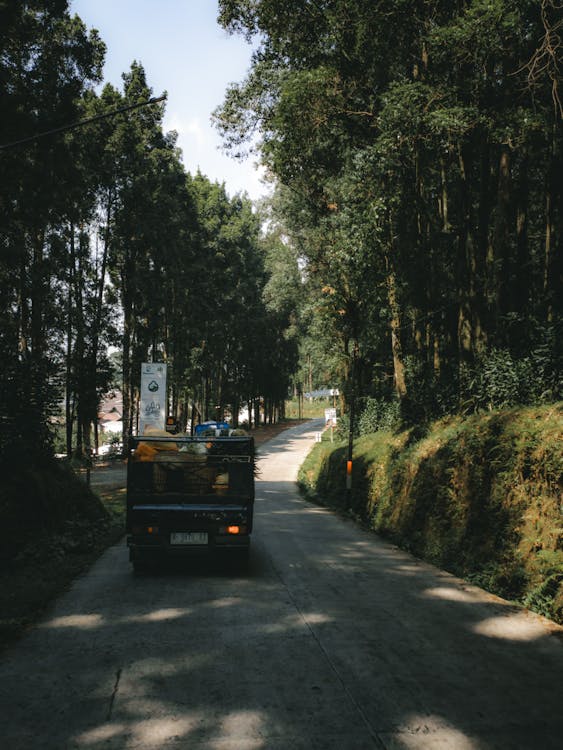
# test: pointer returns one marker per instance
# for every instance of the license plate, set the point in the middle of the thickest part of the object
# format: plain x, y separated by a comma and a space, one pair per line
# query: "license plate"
189, 537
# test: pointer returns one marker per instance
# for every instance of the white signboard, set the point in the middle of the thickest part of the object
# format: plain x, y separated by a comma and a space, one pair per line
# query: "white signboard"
330, 417
152, 408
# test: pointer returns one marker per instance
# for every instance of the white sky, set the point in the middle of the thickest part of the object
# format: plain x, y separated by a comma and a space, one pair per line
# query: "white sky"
185, 52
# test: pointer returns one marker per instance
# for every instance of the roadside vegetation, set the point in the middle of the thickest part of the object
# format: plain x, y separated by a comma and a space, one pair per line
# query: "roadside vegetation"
112, 254
307, 408
480, 497
417, 149
411, 256
57, 528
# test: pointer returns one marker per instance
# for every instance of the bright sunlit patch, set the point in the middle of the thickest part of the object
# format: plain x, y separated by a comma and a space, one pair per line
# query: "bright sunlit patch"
520, 627
160, 731
451, 594
431, 731
227, 601
316, 618
297, 622
101, 734
161, 615
408, 568
81, 622
241, 728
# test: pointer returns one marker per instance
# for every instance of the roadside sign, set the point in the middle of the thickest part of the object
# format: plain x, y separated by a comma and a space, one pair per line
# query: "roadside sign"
153, 396
330, 417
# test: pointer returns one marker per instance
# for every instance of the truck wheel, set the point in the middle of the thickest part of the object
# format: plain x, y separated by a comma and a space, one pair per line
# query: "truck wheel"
140, 566
242, 556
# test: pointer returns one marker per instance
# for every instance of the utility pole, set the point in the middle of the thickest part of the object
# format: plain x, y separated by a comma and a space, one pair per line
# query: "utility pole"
350, 459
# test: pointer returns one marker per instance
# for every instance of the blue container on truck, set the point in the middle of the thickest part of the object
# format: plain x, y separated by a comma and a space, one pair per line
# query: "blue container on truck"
188, 495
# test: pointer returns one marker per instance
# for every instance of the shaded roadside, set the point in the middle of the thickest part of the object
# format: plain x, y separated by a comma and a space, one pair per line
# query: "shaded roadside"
48, 563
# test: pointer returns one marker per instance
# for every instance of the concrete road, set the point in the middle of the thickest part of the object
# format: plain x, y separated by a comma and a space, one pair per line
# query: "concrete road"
332, 640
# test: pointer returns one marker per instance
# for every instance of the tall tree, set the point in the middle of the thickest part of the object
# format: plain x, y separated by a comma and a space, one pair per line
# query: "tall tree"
414, 138
47, 60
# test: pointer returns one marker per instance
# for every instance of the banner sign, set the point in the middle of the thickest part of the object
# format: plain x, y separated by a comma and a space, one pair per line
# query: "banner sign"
152, 407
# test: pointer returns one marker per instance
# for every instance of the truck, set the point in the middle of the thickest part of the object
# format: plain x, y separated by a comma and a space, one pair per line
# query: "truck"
188, 495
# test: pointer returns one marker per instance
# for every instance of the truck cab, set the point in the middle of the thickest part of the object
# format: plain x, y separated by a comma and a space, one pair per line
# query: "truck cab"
189, 495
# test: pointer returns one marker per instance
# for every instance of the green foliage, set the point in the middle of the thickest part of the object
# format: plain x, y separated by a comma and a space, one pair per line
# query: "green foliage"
310, 408
322, 477
418, 155
480, 497
106, 240
500, 380
547, 598
343, 428
379, 414
45, 497
47, 63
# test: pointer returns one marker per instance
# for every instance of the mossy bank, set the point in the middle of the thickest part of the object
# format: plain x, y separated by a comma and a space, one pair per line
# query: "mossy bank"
481, 497
54, 528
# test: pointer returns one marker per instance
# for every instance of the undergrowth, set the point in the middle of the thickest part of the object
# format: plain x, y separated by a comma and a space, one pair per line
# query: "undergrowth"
55, 527
481, 497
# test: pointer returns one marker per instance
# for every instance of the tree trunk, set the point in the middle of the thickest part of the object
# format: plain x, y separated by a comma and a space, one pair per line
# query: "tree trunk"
444, 199
97, 322
553, 265
503, 223
37, 299
470, 334
521, 284
68, 391
395, 322
126, 377
79, 364
236, 409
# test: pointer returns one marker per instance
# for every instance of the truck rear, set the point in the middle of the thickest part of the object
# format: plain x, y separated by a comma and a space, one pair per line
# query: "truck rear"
189, 495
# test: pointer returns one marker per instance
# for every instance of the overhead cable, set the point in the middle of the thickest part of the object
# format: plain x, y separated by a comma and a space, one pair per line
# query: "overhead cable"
81, 123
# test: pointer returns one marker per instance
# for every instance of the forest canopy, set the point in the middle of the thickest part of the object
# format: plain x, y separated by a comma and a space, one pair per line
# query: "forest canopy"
412, 254
109, 246
418, 151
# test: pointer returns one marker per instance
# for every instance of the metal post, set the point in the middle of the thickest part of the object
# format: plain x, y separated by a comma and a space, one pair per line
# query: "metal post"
349, 462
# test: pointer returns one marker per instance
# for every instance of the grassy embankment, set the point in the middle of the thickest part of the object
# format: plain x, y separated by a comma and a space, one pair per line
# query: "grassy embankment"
54, 527
480, 497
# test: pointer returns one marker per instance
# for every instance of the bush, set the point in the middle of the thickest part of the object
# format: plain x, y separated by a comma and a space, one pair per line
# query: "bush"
379, 414
499, 380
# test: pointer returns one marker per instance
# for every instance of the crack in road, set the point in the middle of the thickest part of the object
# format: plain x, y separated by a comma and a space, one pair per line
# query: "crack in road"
114, 694
372, 732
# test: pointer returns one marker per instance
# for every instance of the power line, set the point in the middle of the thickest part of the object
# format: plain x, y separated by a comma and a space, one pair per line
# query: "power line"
80, 123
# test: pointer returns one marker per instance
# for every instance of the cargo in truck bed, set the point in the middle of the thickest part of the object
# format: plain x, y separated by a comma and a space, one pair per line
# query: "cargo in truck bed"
187, 495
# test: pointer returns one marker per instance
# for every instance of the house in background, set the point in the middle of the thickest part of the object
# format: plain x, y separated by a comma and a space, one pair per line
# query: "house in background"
110, 416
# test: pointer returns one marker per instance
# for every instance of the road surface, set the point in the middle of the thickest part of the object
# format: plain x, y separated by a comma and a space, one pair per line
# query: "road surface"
332, 640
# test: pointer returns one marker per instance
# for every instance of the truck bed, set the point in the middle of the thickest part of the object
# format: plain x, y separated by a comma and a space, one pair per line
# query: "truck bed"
187, 495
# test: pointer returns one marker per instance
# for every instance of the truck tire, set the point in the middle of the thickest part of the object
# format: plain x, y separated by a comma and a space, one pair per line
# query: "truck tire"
241, 557
141, 564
